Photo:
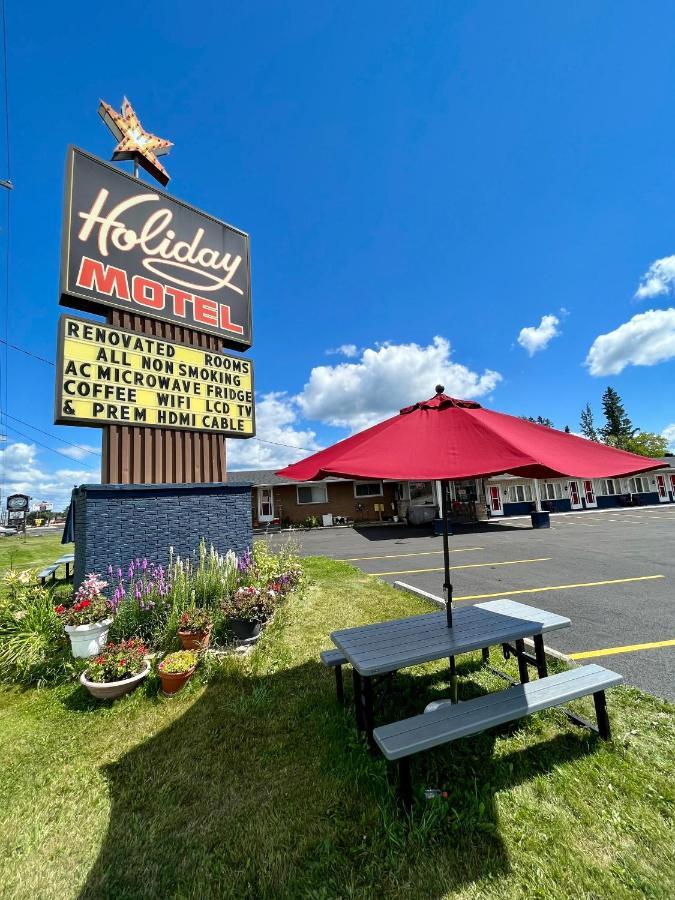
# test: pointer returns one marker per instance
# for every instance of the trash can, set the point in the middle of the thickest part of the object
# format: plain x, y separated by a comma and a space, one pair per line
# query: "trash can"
541, 519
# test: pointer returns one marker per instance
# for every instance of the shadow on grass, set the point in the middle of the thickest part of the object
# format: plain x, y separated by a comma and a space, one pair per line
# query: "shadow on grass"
262, 789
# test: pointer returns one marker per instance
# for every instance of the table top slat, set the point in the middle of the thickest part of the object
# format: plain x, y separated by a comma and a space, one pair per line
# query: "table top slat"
388, 646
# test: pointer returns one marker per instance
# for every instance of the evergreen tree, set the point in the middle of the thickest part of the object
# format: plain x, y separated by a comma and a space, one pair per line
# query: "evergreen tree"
540, 420
618, 428
587, 424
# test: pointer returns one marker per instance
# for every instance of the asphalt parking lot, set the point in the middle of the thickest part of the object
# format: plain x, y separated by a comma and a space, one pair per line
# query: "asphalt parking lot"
612, 573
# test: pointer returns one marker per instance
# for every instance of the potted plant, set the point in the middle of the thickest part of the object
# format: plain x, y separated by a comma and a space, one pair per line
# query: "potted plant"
176, 669
117, 670
246, 609
88, 618
194, 629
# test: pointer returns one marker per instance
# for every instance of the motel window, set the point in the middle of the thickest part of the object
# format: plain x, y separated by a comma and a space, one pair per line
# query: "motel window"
609, 487
520, 493
552, 490
312, 493
367, 488
638, 485
421, 492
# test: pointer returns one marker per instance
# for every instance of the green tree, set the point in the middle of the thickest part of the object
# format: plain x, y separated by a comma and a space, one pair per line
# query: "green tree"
618, 428
540, 420
646, 443
587, 424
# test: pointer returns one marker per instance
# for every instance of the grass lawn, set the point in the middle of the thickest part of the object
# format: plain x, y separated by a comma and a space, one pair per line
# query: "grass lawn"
254, 784
24, 552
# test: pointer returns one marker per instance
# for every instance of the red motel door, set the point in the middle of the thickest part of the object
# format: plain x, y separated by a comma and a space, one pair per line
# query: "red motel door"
495, 501
575, 498
589, 493
661, 485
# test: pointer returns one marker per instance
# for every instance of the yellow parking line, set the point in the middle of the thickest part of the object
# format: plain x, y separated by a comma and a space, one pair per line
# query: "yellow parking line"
509, 562
557, 587
627, 648
417, 553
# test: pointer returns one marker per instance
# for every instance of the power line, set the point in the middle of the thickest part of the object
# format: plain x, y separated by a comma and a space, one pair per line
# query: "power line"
55, 436
27, 352
39, 443
7, 184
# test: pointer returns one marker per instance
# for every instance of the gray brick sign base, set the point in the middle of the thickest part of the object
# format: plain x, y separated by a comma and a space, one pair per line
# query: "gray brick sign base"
115, 523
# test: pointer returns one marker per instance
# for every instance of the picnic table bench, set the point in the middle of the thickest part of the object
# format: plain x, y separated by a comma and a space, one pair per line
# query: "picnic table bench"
50, 571
443, 721
385, 647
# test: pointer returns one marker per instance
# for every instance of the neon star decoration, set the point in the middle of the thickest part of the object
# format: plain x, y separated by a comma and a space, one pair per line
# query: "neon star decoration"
134, 141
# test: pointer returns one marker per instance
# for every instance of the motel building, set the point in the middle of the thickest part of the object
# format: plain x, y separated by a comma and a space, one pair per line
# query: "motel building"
338, 501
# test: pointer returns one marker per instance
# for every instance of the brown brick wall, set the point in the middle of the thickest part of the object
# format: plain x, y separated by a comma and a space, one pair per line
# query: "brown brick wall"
341, 502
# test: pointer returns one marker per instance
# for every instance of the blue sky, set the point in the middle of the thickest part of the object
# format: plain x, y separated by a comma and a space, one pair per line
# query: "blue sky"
432, 174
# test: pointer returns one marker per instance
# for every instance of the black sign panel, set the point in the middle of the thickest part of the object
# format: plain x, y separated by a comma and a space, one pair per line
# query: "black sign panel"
17, 502
130, 246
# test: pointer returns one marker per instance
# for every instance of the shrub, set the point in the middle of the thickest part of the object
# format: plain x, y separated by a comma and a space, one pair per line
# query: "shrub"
179, 662
195, 621
118, 661
33, 646
248, 603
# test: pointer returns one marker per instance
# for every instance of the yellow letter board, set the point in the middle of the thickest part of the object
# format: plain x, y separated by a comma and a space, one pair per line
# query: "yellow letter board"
111, 376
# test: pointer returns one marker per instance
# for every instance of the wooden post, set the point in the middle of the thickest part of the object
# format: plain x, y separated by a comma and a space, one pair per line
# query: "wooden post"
135, 455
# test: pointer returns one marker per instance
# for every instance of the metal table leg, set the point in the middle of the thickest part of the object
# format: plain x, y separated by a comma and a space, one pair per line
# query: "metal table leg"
522, 662
542, 669
358, 700
368, 710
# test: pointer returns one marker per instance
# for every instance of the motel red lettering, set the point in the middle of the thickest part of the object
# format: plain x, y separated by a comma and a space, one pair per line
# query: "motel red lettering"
147, 292
96, 276
105, 279
206, 311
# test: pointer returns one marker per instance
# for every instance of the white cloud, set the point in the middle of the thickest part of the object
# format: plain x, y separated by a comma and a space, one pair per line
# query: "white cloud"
80, 451
658, 279
23, 474
386, 378
534, 338
349, 350
669, 434
276, 418
646, 339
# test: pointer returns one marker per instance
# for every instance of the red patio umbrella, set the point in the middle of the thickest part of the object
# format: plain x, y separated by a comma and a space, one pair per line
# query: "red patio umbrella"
443, 439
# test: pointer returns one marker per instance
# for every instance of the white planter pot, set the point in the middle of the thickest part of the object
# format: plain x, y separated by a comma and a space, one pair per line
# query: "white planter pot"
111, 690
88, 640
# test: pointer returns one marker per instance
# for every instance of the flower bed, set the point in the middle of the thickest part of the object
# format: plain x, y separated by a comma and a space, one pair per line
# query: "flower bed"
192, 602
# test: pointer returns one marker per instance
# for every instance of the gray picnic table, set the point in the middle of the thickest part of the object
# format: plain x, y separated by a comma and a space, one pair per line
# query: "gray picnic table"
385, 647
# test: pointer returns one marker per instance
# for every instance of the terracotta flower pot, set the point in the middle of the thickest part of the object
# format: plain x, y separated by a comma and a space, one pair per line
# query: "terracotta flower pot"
244, 629
111, 690
172, 682
194, 640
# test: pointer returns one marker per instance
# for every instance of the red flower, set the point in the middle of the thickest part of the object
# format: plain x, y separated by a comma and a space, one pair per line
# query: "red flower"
60, 609
123, 662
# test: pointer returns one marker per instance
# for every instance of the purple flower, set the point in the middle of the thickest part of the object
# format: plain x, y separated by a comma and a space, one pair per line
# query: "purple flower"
144, 565
119, 573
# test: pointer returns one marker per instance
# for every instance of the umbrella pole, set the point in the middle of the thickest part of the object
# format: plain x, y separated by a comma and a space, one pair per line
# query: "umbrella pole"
447, 587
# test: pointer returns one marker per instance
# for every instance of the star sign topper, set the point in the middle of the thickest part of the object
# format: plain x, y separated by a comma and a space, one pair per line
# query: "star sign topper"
134, 141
